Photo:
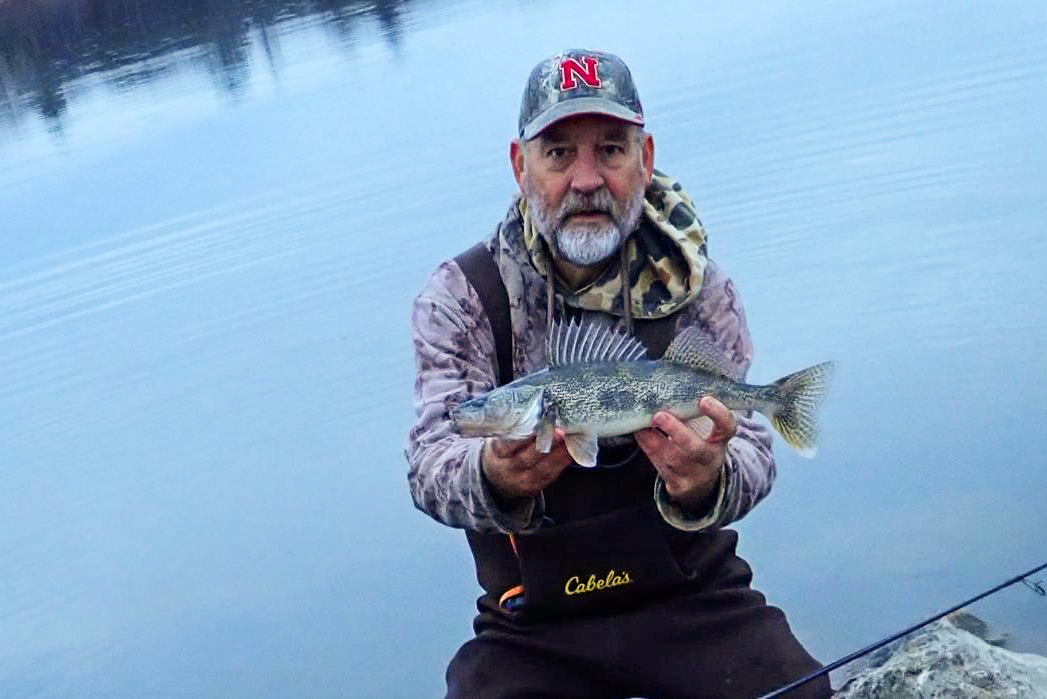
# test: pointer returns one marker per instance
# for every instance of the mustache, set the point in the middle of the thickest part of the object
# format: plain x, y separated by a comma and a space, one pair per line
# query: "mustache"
575, 203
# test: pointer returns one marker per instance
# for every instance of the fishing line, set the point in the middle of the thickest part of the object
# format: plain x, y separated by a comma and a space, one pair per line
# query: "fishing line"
1036, 587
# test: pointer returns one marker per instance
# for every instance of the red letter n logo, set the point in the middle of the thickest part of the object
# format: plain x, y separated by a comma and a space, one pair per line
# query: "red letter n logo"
571, 69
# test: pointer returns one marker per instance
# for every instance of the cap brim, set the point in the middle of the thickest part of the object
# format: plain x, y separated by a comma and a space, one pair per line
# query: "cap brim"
579, 105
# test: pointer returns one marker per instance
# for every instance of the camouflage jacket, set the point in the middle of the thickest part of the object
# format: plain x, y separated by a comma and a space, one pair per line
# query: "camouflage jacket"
454, 352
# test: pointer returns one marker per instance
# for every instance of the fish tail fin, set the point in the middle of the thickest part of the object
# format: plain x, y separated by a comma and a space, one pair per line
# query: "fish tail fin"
797, 398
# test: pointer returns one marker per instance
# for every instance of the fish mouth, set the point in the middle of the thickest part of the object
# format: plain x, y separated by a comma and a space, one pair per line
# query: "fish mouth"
467, 427
465, 418
455, 416
453, 408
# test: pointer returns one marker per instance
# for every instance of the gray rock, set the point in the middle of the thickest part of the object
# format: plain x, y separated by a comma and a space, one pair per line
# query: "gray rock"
958, 656
968, 622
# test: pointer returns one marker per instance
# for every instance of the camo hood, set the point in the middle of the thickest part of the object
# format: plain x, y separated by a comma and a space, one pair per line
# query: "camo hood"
666, 257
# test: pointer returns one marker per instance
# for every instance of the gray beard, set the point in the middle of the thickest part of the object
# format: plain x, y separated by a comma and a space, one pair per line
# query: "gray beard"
586, 245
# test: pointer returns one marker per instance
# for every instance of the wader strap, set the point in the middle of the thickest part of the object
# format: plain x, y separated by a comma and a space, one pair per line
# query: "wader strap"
656, 334
497, 567
482, 274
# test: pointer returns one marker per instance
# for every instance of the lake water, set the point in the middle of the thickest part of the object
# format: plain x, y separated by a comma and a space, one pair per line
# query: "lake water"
214, 216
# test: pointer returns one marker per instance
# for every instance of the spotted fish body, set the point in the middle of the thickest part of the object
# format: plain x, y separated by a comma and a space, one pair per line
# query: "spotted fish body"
599, 385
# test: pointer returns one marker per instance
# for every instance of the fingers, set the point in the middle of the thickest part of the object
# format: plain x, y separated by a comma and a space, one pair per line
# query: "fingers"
517, 469
688, 463
649, 440
507, 448
668, 458
724, 424
677, 432
668, 427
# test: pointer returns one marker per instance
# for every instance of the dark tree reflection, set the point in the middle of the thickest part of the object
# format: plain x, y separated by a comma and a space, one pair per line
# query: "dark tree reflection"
45, 46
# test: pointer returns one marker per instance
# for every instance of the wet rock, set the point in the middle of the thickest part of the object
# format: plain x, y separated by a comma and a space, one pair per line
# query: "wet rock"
958, 656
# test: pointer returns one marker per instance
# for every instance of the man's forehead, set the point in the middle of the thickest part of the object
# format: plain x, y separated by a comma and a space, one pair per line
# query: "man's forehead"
603, 127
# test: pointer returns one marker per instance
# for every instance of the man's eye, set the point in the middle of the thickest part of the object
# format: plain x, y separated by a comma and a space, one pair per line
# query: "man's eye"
557, 153
612, 149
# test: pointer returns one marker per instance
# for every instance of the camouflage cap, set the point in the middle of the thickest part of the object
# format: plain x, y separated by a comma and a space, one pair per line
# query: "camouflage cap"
578, 81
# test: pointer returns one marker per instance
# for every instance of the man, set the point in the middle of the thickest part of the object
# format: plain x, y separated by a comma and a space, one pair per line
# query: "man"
594, 588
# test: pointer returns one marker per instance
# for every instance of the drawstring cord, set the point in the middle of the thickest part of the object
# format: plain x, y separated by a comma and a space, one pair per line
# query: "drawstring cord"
627, 298
550, 294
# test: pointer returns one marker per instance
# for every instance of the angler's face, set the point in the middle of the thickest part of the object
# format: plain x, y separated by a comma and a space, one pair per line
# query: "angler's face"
584, 178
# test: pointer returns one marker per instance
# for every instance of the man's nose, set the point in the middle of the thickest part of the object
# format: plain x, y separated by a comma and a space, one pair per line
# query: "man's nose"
585, 176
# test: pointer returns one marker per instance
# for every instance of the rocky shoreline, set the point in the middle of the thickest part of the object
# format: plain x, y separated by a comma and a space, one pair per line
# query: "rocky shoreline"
958, 656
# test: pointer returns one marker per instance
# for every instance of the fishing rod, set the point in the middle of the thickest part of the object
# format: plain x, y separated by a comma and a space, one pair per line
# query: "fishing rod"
1035, 586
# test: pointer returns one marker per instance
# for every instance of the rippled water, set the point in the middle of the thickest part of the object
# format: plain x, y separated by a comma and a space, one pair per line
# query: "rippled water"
214, 216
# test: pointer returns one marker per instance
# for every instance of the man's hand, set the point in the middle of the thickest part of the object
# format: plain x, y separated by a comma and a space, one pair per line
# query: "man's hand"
688, 463
515, 469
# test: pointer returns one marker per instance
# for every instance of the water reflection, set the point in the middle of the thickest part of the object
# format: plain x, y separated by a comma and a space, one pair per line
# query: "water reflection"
203, 314
46, 47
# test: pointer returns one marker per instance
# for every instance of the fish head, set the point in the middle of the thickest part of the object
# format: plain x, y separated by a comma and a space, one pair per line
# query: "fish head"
509, 411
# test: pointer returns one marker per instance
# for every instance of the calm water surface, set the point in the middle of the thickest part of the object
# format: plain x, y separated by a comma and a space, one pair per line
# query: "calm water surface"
214, 216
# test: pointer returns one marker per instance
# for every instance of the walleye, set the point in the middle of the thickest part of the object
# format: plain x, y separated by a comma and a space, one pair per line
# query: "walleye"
599, 384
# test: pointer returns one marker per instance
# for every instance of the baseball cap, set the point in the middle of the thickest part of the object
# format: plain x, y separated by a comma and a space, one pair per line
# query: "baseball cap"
578, 81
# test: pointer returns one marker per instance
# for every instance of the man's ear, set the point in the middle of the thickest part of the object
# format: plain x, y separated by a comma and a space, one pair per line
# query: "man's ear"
648, 156
516, 159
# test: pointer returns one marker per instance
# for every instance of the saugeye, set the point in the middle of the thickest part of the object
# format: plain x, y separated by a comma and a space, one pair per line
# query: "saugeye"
599, 384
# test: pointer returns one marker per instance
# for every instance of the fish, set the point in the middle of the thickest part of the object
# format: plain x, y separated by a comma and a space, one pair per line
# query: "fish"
599, 384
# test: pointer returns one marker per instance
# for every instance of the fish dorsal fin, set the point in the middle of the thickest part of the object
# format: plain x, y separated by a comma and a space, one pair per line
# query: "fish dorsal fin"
693, 348
575, 343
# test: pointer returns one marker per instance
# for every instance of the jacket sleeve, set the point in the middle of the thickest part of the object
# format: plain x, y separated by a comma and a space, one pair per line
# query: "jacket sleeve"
454, 351
749, 470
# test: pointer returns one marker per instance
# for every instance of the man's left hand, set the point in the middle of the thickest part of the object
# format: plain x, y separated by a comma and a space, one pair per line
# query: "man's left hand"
689, 464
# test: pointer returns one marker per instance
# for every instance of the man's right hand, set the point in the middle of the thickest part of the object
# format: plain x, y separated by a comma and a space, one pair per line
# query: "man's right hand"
515, 469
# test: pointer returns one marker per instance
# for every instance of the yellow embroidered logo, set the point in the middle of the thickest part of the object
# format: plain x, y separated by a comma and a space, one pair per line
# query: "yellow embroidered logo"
575, 586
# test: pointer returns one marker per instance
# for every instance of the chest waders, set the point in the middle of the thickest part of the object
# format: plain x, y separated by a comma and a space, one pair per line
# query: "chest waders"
602, 545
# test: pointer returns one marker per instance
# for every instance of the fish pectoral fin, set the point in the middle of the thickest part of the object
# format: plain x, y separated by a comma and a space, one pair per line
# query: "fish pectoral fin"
583, 448
549, 419
544, 442
702, 425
